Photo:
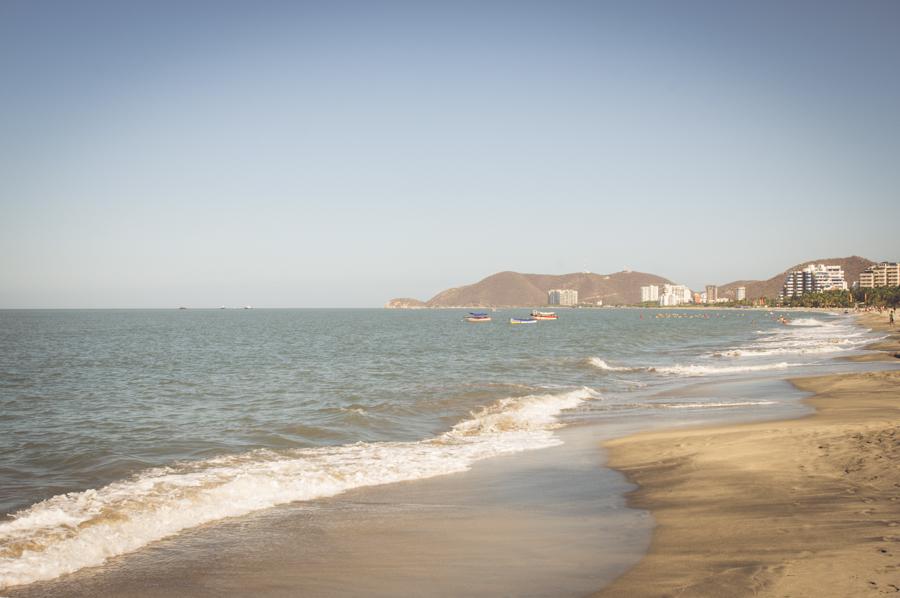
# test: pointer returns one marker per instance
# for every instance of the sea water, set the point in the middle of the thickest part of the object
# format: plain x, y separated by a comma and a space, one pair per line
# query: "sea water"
121, 428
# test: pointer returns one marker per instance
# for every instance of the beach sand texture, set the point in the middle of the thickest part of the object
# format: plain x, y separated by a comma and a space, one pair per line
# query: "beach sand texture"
806, 507
887, 349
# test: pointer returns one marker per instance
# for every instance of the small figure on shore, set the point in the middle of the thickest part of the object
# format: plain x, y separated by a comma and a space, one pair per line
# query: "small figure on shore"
891, 317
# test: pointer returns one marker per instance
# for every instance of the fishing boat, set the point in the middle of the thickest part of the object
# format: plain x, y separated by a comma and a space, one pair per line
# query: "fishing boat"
544, 315
522, 321
478, 317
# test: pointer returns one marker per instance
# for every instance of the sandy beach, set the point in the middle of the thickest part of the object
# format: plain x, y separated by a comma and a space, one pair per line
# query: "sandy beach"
805, 507
887, 349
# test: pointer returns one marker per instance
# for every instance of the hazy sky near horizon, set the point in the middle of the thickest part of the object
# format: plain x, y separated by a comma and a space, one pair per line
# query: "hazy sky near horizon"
343, 153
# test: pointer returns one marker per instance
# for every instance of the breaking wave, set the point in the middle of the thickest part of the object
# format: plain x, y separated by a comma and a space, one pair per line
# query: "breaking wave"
806, 322
784, 350
83, 529
600, 364
705, 370
694, 370
813, 337
712, 405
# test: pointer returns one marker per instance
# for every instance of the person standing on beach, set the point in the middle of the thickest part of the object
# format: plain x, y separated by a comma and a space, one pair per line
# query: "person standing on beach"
891, 318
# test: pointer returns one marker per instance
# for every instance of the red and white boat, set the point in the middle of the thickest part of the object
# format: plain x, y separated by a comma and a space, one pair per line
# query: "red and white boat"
544, 315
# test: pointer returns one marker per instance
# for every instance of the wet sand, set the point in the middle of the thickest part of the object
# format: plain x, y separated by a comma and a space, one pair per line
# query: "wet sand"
805, 507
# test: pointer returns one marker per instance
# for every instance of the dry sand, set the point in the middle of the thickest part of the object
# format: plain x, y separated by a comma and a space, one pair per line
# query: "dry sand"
806, 507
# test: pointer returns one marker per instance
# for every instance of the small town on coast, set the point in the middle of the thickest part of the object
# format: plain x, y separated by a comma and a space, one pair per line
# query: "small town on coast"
843, 283
815, 285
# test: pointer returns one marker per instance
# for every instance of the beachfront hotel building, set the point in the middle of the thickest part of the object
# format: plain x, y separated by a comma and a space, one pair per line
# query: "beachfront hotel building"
814, 278
885, 274
740, 293
798, 282
650, 293
712, 293
830, 278
674, 294
562, 297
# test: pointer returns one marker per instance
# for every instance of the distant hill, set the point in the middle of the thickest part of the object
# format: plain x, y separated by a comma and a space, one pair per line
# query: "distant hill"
772, 287
404, 303
514, 289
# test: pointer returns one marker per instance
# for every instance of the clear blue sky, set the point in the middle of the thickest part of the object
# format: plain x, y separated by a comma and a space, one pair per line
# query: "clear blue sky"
342, 153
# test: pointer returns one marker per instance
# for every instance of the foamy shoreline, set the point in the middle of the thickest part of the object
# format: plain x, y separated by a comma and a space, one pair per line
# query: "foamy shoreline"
84, 529
803, 507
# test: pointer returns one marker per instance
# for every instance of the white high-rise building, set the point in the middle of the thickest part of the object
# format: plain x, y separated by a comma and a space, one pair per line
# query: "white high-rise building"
830, 278
562, 297
674, 294
740, 293
885, 274
798, 282
650, 293
814, 278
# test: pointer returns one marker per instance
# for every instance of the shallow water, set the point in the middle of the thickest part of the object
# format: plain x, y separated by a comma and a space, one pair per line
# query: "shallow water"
137, 426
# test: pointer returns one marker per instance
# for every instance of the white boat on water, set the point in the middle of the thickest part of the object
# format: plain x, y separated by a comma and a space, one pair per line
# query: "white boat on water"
544, 315
477, 317
522, 321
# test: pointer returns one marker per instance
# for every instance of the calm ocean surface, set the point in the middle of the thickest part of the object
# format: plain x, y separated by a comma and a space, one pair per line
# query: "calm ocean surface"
122, 427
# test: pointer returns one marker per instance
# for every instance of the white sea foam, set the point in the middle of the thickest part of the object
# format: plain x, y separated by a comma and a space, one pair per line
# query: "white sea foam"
809, 337
82, 529
806, 322
354, 410
762, 351
694, 369
713, 404
600, 364
706, 370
